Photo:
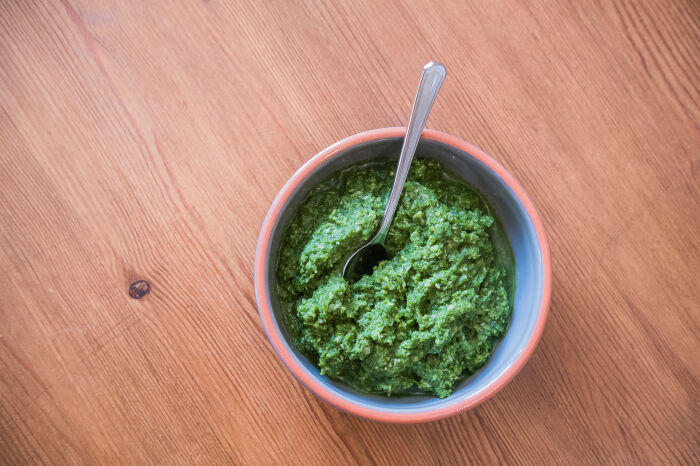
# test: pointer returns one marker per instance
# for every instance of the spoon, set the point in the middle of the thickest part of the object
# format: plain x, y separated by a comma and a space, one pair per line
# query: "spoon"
363, 260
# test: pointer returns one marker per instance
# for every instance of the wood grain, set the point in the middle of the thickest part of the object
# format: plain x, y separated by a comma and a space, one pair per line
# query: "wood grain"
146, 140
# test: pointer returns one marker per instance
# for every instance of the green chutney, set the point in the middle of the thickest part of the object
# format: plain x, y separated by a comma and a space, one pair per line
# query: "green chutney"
424, 319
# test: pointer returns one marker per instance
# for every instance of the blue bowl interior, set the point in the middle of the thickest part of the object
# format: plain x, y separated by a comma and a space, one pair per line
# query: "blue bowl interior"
524, 242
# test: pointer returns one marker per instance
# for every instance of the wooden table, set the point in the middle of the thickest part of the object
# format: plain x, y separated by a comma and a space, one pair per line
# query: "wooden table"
144, 141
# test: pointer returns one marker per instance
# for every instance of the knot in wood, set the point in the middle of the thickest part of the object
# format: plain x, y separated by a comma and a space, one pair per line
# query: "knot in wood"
139, 289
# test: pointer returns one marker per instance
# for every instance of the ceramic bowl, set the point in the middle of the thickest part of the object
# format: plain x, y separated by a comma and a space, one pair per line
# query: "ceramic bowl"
532, 263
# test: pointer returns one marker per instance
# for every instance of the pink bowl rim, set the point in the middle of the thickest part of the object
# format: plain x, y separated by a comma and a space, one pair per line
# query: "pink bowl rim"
265, 308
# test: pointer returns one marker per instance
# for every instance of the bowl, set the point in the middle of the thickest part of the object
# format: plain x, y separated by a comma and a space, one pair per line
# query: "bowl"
532, 269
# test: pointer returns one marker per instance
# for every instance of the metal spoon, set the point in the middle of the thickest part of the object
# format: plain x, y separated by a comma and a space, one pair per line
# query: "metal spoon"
363, 261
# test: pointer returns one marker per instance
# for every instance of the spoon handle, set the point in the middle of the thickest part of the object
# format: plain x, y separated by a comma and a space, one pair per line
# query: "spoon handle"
430, 82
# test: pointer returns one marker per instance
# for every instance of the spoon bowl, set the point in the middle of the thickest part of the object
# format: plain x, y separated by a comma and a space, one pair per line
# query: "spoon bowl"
364, 260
